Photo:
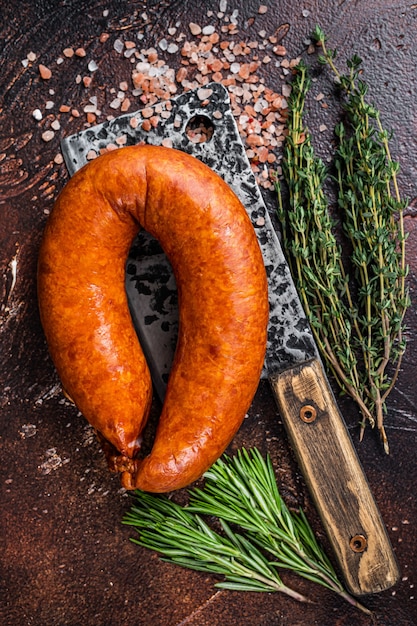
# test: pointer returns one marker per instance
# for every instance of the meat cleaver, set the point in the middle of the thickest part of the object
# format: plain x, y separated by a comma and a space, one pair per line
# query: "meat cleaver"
315, 427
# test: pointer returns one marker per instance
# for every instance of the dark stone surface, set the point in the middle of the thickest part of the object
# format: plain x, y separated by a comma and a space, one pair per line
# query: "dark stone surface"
65, 557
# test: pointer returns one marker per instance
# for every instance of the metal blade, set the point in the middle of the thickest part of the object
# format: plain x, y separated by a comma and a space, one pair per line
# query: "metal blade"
150, 284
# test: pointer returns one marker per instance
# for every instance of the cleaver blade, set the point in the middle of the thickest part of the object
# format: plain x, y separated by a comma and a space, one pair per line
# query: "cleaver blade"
315, 427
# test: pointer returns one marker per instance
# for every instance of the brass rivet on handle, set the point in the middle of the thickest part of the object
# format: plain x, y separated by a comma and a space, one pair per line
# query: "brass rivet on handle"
358, 543
308, 413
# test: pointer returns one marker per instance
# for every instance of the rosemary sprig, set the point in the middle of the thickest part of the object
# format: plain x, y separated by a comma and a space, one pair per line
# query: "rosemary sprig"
242, 493
359, 320
186, 540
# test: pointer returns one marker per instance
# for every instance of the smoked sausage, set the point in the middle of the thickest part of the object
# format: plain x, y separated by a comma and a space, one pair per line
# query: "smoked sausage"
223, 308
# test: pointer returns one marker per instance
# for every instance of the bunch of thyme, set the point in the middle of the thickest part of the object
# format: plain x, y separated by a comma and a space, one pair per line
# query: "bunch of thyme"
314, 255
239, 492
359, 335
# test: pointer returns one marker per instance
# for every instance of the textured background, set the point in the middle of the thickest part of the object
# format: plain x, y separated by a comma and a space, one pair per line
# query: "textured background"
65, 557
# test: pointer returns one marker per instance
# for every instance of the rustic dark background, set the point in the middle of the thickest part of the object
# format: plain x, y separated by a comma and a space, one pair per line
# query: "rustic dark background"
65, 557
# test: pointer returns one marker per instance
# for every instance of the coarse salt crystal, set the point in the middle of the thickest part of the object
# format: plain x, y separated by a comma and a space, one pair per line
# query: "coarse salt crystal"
118, 45
223, 5
163, 44
234, 68
125, 105
203, 94
48, 135
91, 154
194, 28
147, 112
37, 115
172, 48
262, 9
280, 51
56, 125
45, 72
208, 30
115, 104
143, 67
92, 66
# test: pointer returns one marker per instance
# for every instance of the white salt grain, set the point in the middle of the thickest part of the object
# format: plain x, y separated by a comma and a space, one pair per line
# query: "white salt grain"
118, 45
48, 135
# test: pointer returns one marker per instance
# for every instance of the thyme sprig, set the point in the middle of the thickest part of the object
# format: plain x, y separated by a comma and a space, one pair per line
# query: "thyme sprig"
358, 320
315, 257
242, 495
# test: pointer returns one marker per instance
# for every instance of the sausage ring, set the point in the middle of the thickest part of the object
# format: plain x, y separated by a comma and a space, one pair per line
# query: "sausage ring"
222, 299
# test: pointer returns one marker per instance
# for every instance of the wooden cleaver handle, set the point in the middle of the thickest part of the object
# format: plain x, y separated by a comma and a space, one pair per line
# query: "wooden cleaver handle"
335, 478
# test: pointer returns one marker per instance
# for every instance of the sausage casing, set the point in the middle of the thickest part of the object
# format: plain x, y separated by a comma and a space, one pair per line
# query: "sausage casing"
222, 298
